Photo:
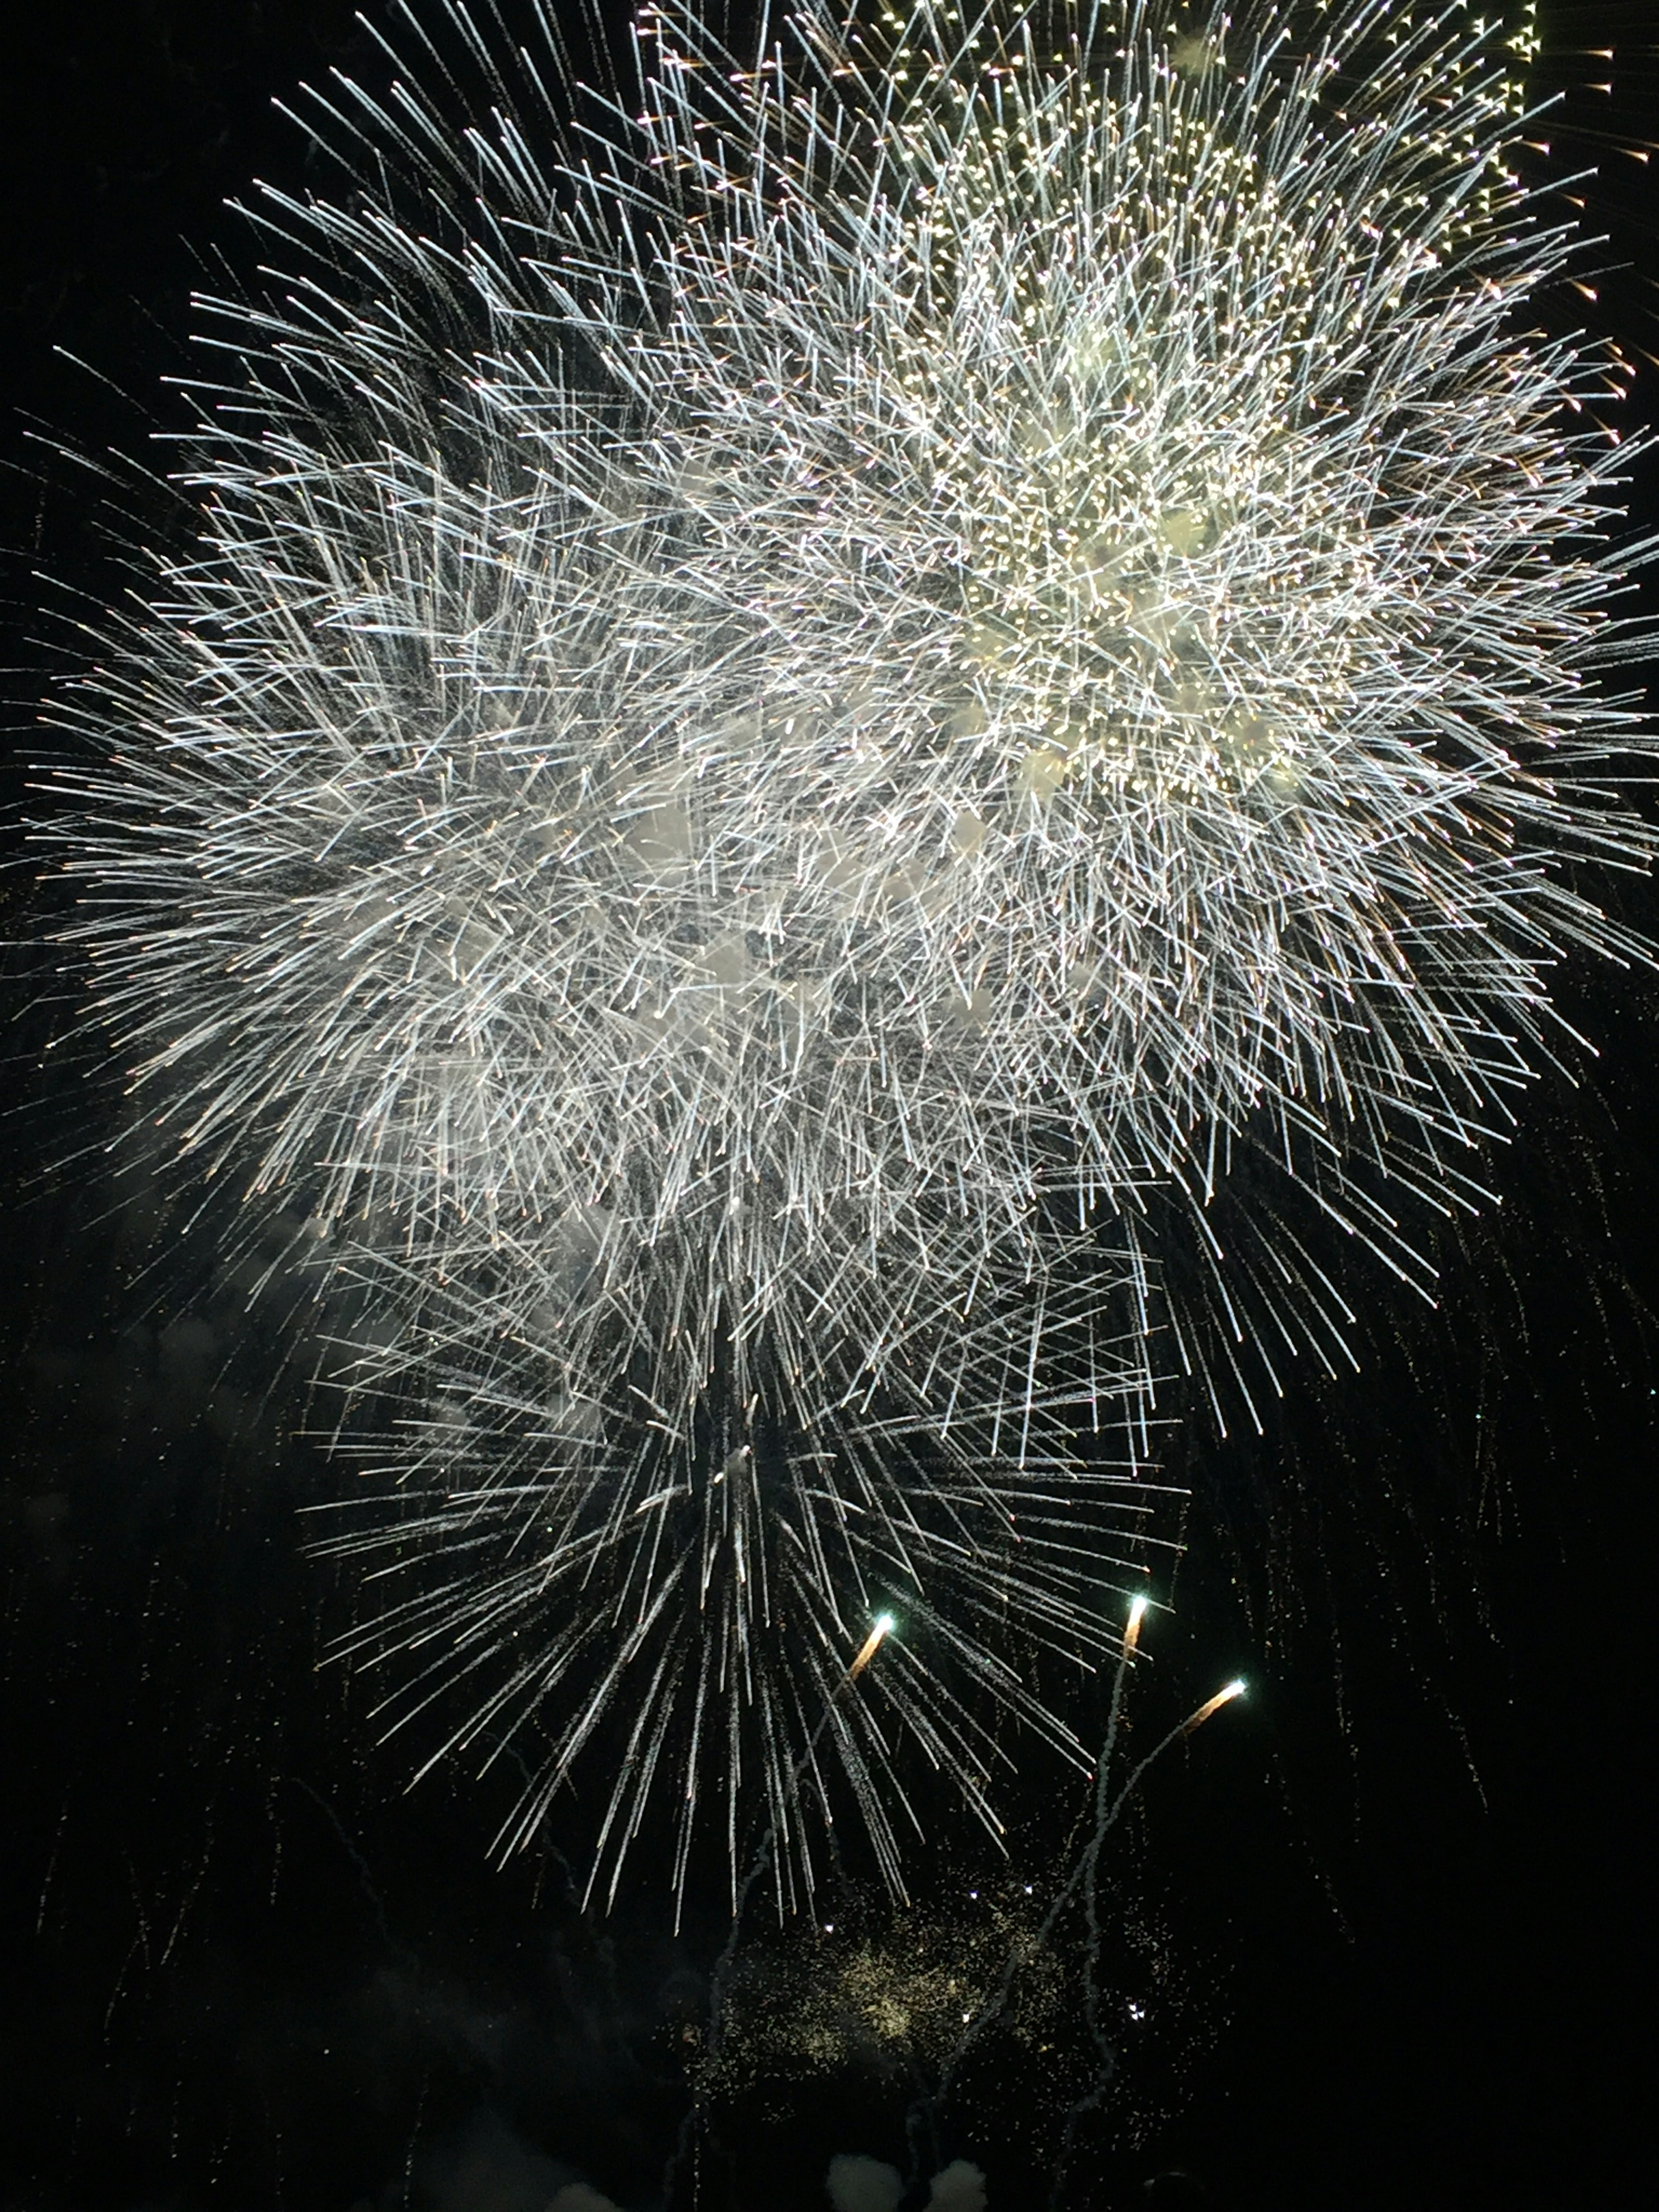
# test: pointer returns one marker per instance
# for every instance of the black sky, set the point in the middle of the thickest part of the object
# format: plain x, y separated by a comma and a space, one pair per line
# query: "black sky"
1401, 1902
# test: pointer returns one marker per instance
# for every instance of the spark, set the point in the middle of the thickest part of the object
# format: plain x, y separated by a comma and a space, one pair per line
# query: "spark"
1223, 1696
871, 1645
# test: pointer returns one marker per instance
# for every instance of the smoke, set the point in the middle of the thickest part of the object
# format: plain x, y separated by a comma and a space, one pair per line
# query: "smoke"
581, 2196
859, 2183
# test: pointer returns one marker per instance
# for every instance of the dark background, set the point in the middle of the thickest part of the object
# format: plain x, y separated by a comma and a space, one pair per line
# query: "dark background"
1405, 1892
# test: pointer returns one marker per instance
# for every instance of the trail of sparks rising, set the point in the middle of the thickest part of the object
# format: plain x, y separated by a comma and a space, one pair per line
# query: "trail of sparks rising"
871, 1645
1113, 1792
794, 702
1210, 1706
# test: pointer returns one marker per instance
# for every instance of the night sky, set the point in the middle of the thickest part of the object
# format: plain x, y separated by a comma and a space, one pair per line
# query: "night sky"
1388, 1923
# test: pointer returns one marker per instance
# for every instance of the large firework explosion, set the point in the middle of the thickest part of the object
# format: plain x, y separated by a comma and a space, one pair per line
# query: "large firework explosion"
794, 702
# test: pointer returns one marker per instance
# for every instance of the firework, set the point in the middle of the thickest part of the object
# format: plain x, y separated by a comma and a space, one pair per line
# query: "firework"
793, 703
783, 1579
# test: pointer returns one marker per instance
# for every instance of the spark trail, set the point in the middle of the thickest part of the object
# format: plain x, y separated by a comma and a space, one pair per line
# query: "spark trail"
793, 697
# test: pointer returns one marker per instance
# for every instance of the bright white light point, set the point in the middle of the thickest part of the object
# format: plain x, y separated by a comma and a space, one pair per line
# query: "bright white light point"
871, 1643
1223, 1696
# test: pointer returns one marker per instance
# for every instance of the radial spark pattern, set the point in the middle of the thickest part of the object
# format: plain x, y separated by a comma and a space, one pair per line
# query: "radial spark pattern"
786, 706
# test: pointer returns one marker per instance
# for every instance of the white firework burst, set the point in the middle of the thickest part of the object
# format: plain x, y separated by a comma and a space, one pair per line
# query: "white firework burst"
788, 704
684, 1580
